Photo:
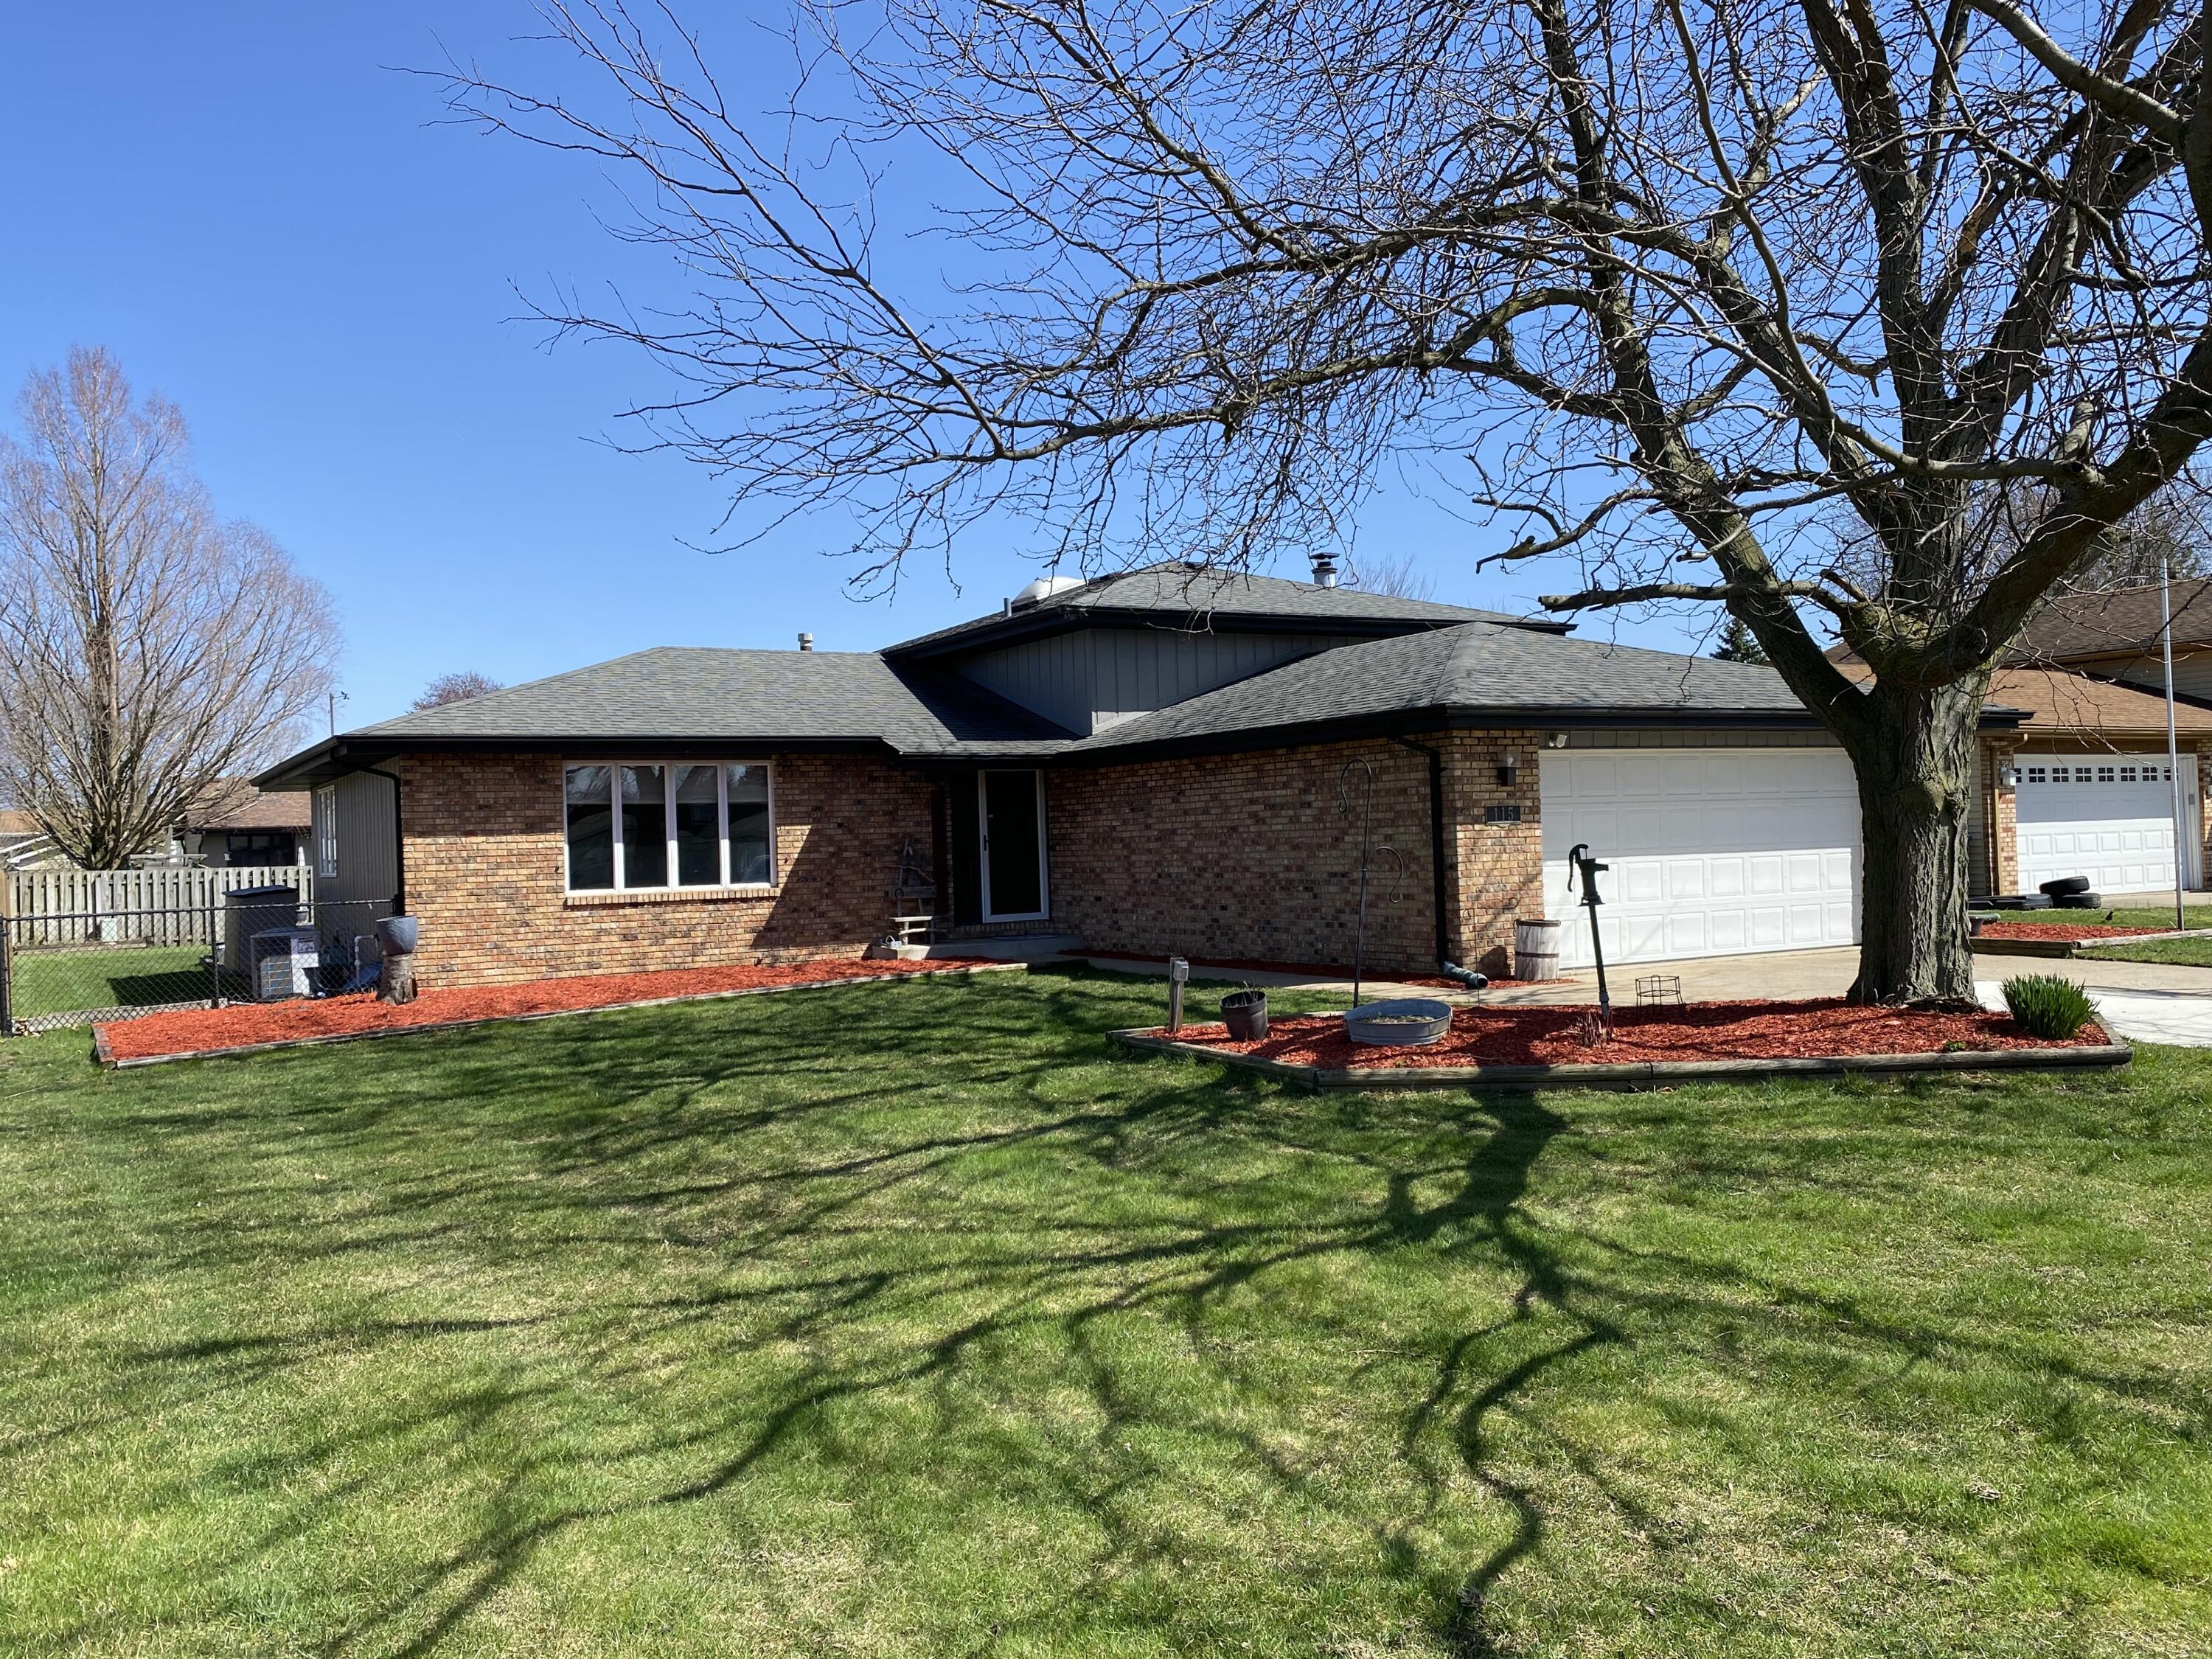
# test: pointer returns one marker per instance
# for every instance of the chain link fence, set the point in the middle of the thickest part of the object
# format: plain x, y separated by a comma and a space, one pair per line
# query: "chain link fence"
60, 969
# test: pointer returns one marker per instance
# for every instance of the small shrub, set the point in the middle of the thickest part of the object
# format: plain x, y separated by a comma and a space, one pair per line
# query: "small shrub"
2048, 1007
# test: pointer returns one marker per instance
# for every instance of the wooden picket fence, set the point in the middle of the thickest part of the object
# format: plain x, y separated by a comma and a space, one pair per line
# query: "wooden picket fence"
162, 905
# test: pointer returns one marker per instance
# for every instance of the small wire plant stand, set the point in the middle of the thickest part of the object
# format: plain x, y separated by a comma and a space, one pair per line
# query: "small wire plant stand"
1659, 990
1368, 853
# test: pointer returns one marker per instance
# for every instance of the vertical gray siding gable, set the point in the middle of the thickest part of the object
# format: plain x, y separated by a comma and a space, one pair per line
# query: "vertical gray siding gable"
1089, 679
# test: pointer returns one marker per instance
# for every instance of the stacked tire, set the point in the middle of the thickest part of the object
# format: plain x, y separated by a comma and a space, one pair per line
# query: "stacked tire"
2072, 893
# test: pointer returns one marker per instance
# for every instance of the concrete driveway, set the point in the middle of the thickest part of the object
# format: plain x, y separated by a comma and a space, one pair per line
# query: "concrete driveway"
2149, 1001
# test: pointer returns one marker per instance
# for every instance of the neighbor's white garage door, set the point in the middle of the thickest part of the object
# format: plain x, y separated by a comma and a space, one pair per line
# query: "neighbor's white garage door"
2109, 817
1714, 851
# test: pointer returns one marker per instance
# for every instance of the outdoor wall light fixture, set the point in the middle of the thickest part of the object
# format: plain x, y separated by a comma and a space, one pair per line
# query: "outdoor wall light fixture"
1555, 740
2007, 777
1509, 768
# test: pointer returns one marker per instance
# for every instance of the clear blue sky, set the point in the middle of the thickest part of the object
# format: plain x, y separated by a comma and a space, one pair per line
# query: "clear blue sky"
266, 222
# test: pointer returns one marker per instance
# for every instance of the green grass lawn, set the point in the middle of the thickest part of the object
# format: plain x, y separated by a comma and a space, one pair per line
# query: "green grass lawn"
2188, 952
912, 1320
63, 980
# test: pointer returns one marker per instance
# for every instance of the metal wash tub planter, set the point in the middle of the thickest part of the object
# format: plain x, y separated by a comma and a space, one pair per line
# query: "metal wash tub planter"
1399, 1022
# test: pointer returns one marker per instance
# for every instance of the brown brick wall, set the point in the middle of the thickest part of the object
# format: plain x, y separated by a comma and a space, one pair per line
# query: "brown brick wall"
1251, 856
484, 874
2000, 816
1497, 868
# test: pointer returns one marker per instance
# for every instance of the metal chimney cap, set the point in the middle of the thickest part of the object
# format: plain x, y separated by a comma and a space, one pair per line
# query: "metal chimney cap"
1324, 570
807, 641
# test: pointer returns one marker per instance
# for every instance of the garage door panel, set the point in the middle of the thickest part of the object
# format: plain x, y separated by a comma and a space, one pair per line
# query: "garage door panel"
1711, 851
1723, 773
2109, 820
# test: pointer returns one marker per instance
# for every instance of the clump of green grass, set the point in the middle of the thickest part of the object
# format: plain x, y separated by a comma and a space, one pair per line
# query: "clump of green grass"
2048, 1007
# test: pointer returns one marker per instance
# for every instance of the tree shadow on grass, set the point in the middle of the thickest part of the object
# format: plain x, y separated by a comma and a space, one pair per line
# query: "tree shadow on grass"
887, 1187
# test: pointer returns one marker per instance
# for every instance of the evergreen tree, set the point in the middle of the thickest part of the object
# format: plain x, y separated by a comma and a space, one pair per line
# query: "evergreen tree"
1739, 644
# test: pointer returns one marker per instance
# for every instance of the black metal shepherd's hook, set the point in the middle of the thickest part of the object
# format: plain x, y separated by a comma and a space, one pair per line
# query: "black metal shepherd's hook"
1398, 862
1580, 862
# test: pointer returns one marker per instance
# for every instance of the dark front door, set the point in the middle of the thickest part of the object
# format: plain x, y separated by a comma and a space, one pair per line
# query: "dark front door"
1013, 810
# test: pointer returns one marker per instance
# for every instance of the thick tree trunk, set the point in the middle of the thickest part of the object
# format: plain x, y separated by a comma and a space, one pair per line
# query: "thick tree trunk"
1915, 760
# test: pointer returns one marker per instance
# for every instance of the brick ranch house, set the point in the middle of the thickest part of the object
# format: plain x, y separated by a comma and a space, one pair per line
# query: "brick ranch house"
1149, 762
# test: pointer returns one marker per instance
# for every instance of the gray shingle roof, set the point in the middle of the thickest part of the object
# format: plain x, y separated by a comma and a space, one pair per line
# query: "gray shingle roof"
790, 696
796, 697
1473, 667
1178, 593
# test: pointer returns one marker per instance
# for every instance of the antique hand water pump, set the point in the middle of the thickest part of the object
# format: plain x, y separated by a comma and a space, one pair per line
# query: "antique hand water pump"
1581, 863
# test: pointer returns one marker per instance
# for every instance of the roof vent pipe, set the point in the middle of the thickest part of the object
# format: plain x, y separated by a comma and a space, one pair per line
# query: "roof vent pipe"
1324, 570
807, 641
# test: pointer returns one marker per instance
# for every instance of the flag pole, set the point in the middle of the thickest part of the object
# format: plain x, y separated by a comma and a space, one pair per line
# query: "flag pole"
2172, 745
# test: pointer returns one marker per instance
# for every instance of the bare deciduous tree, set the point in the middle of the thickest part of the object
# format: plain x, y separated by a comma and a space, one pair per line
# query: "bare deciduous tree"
147, 648
454, 688
1395, 575
1743, 283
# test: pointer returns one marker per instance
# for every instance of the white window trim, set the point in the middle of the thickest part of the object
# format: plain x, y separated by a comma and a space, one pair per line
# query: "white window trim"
671, 888
983, 841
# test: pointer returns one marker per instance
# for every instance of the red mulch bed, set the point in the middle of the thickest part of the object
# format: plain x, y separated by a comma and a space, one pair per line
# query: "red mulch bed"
2060, 933
1314, 969
1702, 1030
200, 1030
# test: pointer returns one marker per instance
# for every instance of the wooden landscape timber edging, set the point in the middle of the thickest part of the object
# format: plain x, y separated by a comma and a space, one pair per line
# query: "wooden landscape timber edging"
1984, 945
101, 1051
1634, 1074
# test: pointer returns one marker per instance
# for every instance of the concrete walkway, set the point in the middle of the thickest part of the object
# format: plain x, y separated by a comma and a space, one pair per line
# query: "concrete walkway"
2152, 1001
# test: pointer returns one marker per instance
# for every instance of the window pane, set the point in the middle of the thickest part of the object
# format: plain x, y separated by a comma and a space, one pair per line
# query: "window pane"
591, 829
645, 826
750, 859
698, 828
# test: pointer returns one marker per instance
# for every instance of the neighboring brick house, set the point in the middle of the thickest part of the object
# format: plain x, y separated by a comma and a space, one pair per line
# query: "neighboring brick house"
2119, 635
1155, 762
2082, 787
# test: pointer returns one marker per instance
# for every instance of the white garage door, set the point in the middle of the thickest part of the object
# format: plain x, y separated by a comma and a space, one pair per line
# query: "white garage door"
2109, 817
1714, 851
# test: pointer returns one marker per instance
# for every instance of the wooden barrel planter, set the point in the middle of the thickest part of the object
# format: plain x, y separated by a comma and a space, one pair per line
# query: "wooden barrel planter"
1536, 948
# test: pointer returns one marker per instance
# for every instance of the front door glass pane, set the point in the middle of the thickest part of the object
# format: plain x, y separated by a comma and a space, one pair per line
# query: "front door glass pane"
644, 827
591, 827
1011, 827
698, 828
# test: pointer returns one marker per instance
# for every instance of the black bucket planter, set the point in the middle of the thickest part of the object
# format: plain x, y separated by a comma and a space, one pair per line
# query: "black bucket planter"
1246, 1013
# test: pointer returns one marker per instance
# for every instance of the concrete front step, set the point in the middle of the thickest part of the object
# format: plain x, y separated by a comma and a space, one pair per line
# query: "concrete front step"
1008, 947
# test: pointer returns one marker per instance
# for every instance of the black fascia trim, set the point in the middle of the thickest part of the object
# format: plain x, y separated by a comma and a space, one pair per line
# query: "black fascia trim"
1045, 622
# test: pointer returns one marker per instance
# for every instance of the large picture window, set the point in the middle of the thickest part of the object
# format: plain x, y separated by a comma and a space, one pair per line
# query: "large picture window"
653, 828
